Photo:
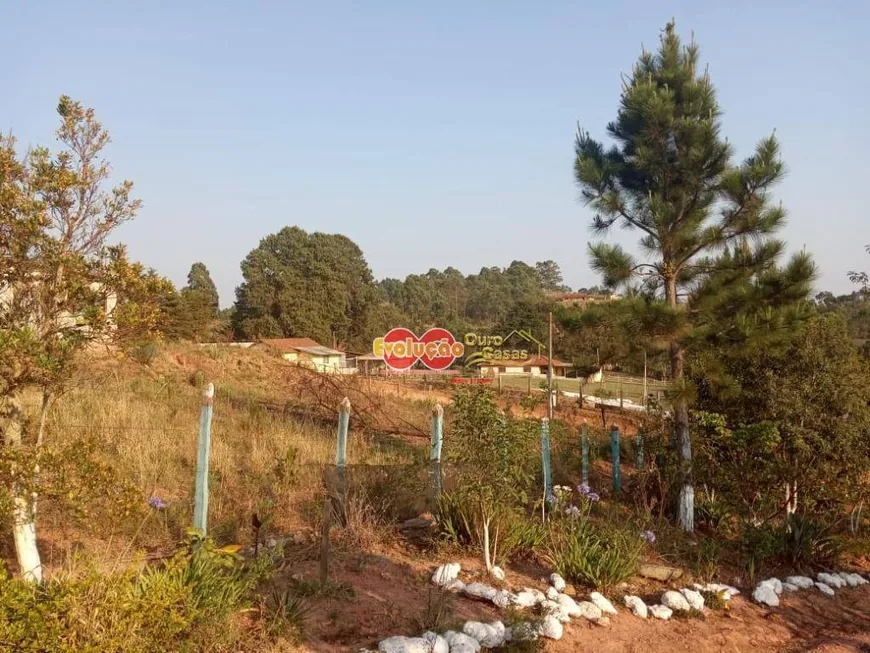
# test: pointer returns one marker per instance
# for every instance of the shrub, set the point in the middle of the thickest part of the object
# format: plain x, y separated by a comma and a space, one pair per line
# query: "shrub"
185, 603
600, 557
145, 353
803, 541
494, 456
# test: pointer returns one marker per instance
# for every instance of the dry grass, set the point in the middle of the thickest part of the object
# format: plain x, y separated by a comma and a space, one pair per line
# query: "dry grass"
263, 460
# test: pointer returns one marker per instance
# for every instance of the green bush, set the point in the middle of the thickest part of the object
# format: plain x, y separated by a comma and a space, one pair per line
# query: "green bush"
601, 557
145, 353
803, 541
187, 603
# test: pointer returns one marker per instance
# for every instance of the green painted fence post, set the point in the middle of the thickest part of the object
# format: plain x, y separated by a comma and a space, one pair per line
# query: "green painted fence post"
584, 452
639, 445
200, 509
437, 428
614, 454
545, 459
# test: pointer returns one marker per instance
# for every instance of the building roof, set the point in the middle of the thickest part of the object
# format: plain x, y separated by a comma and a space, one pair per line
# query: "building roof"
307, 345
534, 361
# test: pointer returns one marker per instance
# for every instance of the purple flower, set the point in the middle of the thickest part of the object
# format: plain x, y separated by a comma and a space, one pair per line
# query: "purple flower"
592, 496
584, 488
649, 536
157, 503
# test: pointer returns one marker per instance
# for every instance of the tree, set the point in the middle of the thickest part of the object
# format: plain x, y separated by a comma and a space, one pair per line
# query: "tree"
62, 288
670, 177
199, 280
797, 415
550, 276
307, 285
860, 278
493, 455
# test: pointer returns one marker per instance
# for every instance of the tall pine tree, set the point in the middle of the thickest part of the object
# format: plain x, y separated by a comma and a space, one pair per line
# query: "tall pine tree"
670, 177
199, 280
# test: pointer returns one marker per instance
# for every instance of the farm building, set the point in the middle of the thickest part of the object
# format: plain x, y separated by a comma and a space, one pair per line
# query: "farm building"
309, 353
536, 365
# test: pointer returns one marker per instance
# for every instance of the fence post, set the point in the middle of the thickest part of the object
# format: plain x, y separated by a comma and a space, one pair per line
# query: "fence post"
437, 440
341, 439
545, 461
200, 508
614, 453
530, 382
584, 452
639, 445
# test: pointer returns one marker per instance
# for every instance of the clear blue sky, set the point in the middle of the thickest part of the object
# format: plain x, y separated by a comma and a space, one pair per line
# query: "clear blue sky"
432, 134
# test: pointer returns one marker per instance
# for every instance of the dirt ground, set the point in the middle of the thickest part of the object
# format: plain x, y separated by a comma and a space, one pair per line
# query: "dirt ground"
392, 596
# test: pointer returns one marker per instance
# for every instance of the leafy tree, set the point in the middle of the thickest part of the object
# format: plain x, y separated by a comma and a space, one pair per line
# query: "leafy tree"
492, 455
670, 177
860, 278
550, 276
308, 285
797, 415
63, 289
199, 280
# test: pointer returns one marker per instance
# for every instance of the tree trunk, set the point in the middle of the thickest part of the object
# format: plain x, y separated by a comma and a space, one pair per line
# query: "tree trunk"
23, 524
486, 557
681, 421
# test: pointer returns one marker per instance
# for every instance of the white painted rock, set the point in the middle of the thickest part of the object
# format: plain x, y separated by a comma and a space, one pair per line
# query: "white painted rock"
859, 579
551, 628
675, 601
830, 580
800, 581
727, 591
852, 580
526, 599
569, 605
766, 595
404, 645
489, 635
455, 585
552, 593
437, 644
503, 599
461, 643
552, 608
696, 601
590, 611
445, 574
497, 573
662, 612
636, 605
603, 604
788, 587
557, 582
774, 583
825, 589
480, 591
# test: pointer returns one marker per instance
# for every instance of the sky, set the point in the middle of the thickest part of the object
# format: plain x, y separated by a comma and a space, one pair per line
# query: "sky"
432, 134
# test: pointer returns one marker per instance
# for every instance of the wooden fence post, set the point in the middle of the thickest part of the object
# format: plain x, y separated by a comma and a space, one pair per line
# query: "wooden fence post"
200, 508
437, 428
614, 453
545, 461
584, 453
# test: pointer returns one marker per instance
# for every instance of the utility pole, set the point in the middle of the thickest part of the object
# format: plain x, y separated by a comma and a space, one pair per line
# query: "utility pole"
550, 371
